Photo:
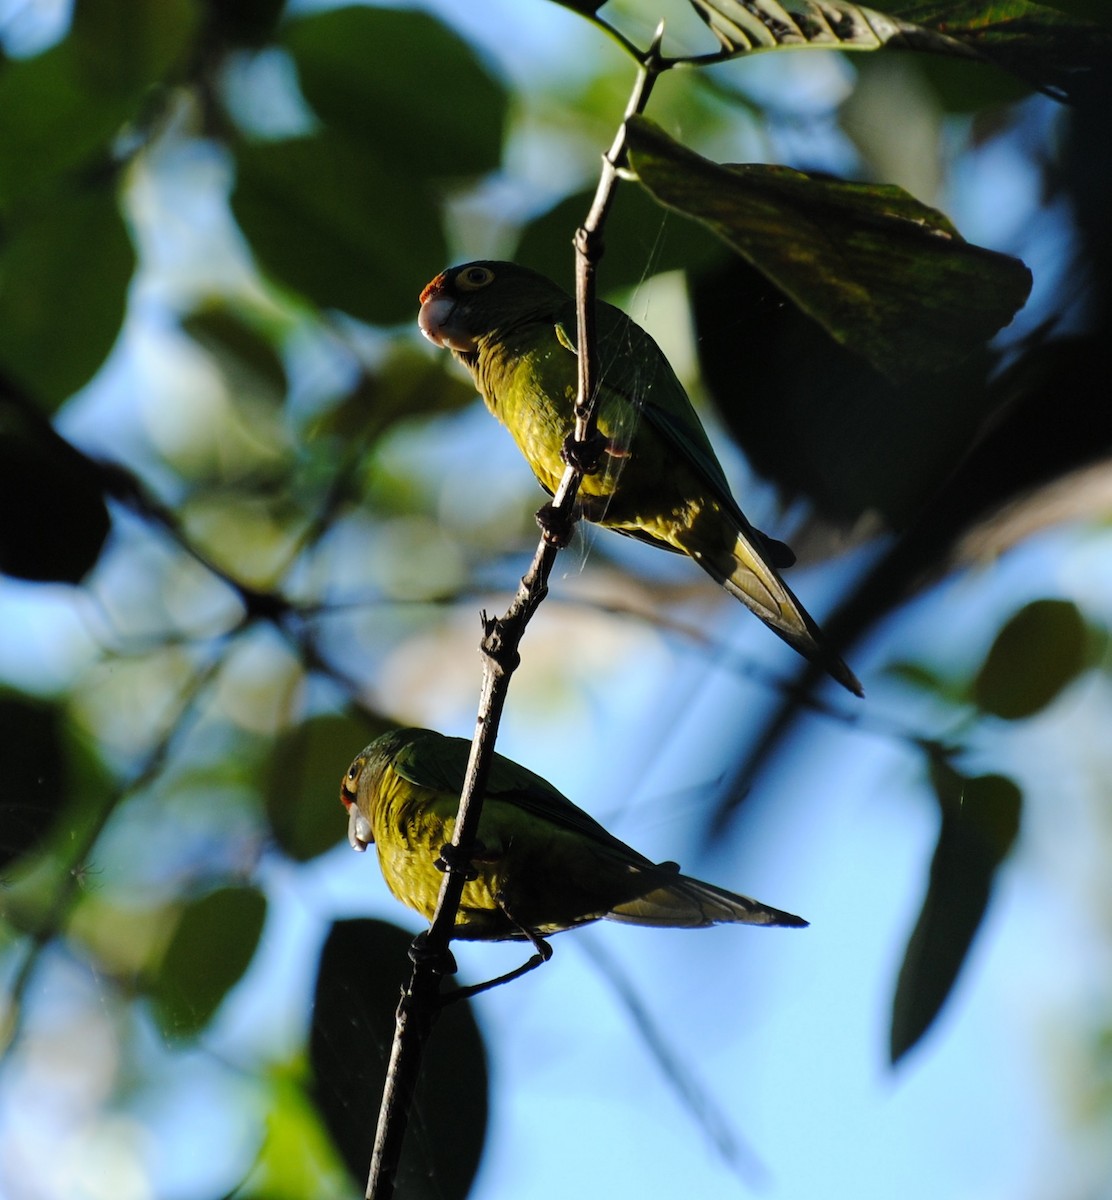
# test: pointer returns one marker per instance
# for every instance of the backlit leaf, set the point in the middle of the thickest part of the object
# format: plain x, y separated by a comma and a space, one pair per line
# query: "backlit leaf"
211, 947
327, 218
65, 266
303, 787
887, 276
980, 822
362, 967
357, 69
1055, 52
1039, 651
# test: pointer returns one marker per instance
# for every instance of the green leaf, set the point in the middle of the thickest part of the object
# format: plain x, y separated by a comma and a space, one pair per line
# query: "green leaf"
1056, 53
65, 266
49, 124
329, 220
248, 360
980, 822
61, 110
56, 520
887, 276
212, 946
639, 237
32, 766
357, 70
1059, 54
818, 419
297, 1159
303, 787
362, 966
965, 86
409, 383
1041, 649
122, 47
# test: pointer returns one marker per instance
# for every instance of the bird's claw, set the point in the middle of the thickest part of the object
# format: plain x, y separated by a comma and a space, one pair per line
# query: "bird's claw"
556, 526
461, 859
584, 456
440, 962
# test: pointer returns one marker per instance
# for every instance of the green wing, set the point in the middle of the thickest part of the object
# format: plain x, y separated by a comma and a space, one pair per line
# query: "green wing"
440, 763
633, 365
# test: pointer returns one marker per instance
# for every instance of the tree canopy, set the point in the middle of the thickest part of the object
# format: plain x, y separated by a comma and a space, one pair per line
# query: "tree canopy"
249, 519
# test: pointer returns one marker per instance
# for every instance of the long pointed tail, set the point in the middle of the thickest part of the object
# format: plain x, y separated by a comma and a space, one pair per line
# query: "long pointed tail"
691, 904
748, 577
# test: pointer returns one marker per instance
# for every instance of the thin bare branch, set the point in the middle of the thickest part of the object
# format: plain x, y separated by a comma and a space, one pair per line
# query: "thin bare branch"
502, 636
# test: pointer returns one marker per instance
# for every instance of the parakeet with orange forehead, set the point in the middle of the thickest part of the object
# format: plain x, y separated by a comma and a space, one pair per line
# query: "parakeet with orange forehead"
658, 479
541, 865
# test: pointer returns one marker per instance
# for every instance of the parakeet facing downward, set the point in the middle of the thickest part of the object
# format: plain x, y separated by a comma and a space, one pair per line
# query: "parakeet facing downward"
658, 480
542, 864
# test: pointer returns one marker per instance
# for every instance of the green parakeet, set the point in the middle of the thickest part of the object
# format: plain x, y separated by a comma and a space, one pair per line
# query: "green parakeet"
542, 864
658, 480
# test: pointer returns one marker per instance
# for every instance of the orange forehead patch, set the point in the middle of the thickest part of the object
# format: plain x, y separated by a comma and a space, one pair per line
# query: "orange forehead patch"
432, 288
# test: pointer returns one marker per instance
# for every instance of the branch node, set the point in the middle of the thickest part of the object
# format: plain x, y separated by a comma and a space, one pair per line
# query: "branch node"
588, 242
584, 456
556, 524
460, 860
499, 648
438, 960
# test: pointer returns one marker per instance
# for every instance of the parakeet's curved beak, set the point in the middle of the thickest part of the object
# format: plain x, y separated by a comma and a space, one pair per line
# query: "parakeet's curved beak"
359, 829
360, 834
436, 319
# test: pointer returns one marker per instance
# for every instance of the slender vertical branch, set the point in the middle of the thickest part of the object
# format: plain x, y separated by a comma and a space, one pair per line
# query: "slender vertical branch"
502, 636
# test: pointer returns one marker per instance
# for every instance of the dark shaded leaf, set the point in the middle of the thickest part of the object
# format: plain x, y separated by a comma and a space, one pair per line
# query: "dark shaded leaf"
212, 946
887, 276
328, 219
980, 822
1054, 52
362, 968
816, 418
588, 7
1041, 649
963, 86
303, 789
245, 23
356, 67
408, 384
55, 518
249, 362
33, 768
640, 239
65, 266
49, 124
122, 47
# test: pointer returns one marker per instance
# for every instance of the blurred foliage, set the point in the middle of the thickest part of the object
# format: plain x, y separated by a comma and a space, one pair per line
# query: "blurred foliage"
1038, 652
885, 275
256, 496
979, 825
33, 768
212, 945
354, 1001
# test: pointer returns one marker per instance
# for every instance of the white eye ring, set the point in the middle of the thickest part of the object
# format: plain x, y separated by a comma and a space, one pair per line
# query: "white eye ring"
470, 279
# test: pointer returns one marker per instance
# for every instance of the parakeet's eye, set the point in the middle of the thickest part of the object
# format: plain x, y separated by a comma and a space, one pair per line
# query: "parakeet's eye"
349, 789
470, 279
